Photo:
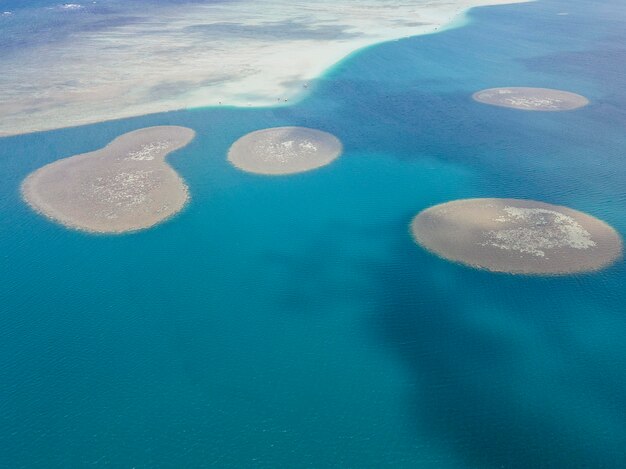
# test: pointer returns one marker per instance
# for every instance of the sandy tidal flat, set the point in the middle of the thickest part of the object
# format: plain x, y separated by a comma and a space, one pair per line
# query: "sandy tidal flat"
128, 60
284, 150
125, 186
517, 236
531, 99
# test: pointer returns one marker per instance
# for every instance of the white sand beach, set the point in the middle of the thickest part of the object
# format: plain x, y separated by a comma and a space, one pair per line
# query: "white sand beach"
231, 53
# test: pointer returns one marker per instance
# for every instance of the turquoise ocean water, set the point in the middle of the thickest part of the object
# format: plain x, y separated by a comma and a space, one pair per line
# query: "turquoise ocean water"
292, 322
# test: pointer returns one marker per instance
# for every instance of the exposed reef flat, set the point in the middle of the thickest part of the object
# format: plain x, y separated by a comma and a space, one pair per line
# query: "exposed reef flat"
78, 66
517, 236
125, 186
531, 99
284, 150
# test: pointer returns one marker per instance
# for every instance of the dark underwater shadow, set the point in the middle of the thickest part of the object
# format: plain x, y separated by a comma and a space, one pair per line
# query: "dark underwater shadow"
317, 275
499, 381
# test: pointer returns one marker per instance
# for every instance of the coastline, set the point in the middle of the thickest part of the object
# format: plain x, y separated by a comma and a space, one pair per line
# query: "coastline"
293, 321
271, 72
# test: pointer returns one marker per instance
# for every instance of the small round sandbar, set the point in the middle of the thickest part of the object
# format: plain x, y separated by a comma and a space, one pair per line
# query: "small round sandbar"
125, 186
284, 150
531, 99
517, 236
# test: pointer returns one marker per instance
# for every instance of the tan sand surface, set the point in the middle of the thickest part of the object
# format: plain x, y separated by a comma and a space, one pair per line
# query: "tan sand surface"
125, 186
284, 150
531, 99
517, 236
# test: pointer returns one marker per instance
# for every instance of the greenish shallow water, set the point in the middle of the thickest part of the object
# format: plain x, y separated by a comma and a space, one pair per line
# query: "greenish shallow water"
292, 322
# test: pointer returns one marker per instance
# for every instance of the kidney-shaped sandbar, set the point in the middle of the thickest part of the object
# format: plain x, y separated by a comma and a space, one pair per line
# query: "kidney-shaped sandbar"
125, 186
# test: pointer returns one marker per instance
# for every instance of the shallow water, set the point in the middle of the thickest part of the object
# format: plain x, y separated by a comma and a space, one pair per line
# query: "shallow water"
292, 322
73, 64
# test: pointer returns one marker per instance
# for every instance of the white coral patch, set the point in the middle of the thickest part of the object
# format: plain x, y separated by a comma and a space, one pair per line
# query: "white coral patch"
72, 6
148, 151
286, 151
533, 102
123, 190
539, 230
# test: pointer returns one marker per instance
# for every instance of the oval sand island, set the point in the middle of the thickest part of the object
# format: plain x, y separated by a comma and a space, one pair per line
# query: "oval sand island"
284, 150
517, 236
125, 186
531, 99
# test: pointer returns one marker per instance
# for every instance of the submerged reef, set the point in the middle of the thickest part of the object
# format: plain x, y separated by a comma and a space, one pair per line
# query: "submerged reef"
531, 99
517, 236
125, 186
284, 150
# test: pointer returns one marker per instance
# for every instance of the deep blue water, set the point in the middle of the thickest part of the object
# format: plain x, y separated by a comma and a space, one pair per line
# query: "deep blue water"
292, 322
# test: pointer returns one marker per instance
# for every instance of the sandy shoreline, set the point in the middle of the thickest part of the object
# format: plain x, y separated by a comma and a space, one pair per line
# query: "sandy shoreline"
125, 186
202, 55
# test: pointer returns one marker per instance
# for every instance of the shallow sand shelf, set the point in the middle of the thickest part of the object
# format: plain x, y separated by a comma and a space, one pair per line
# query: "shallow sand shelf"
284, 150
517, 236
125, 186
531, 99
129, 60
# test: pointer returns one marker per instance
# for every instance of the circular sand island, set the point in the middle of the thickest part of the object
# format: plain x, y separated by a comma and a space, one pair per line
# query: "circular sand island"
531, 99
284, 150
517, 236
125, 186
